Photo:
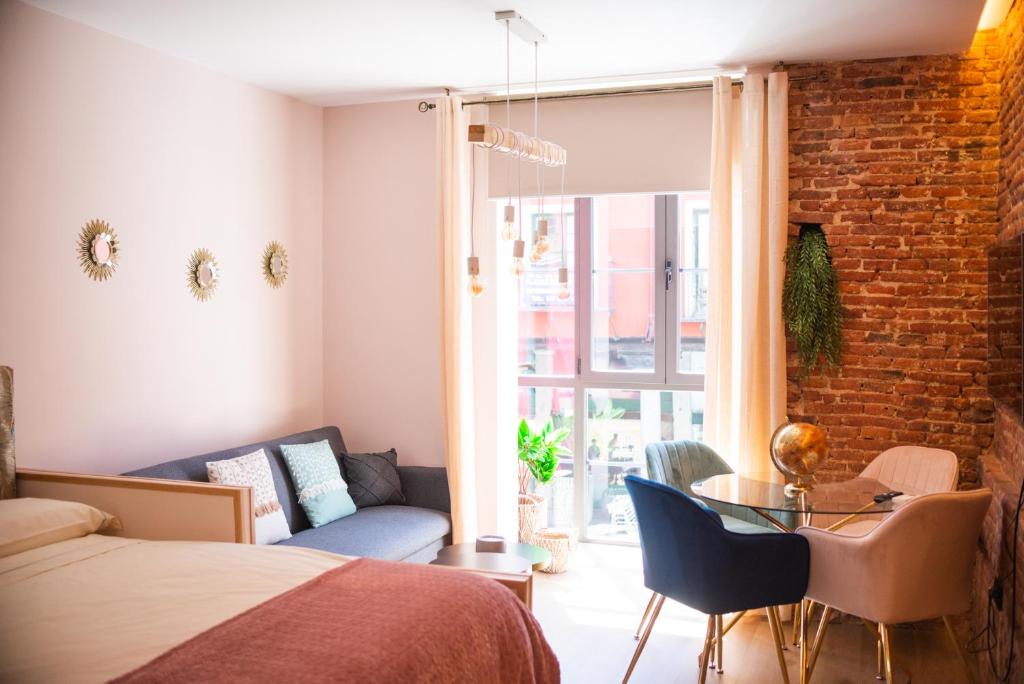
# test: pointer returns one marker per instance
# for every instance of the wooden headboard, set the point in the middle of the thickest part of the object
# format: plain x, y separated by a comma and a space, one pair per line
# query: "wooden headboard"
7, 433
150, 508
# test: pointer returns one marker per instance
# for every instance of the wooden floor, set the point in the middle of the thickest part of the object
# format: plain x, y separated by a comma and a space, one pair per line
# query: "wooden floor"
589, 615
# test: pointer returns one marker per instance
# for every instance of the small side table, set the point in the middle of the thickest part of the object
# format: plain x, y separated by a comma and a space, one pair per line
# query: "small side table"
464, 554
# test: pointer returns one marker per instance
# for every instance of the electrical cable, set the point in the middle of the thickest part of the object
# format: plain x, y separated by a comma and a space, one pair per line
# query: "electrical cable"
989, 631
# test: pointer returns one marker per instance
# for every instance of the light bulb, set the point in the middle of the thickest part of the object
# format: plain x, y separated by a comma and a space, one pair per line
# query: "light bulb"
475, 286
542, 236
518, 248
535, 253
508, 231
563, 283
540, 248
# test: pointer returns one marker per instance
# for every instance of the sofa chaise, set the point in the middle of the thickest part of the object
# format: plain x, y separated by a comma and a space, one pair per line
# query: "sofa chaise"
412, 532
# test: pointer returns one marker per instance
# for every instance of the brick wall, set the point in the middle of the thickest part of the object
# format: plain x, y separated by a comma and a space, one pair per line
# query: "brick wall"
898, 159
915, 166
1002, 469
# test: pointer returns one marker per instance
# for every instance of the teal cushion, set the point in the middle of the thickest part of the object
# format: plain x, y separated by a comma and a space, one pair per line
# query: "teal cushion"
322, 492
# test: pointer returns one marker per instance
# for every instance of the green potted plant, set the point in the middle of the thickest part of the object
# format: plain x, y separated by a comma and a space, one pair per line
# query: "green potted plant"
538, 459
811, 308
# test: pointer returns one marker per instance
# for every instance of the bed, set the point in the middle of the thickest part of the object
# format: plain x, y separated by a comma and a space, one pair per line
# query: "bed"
77, 605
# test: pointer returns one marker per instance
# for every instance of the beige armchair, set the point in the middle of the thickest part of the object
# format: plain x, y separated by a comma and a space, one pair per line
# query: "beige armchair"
915, 469
914, 565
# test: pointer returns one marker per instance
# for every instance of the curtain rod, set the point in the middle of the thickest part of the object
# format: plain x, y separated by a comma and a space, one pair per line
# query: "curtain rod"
425, 106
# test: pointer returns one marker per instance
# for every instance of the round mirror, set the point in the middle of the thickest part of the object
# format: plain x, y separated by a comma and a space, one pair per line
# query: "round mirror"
101, 250
275, 264
97, 250
206, 275
202, 274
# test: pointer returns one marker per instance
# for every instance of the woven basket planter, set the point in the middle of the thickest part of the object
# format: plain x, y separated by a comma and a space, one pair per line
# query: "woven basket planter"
560, 544
531, 512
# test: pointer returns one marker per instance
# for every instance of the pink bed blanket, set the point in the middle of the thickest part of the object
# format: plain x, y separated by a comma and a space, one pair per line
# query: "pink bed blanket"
370, 621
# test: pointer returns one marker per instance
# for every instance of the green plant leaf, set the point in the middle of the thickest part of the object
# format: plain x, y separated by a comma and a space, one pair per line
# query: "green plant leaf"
811, 306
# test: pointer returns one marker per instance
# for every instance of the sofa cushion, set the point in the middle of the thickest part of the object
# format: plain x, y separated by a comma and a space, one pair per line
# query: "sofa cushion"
323, 493
373, 478
194, 468
253, 470
385, 532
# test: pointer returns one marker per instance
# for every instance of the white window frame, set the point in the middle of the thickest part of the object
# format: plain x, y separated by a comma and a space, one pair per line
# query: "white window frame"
665, 376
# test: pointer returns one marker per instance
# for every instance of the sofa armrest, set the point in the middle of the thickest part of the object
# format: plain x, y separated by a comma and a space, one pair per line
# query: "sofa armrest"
425, 487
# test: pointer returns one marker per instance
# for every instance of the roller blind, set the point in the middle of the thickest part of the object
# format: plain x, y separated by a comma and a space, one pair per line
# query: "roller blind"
632, 143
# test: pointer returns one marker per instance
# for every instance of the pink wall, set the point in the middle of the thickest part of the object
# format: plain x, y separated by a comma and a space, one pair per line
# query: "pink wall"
382, 351
133, 370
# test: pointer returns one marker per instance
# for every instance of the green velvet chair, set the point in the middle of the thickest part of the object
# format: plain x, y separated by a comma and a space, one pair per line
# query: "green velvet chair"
679, 464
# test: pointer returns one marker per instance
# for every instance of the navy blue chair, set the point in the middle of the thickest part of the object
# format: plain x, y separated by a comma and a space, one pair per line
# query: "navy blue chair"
690, 557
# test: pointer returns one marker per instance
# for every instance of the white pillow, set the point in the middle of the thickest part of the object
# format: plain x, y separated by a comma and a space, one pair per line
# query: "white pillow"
28, 523
253, 470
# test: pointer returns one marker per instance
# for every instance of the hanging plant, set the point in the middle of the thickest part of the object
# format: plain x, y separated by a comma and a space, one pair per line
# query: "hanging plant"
810, 300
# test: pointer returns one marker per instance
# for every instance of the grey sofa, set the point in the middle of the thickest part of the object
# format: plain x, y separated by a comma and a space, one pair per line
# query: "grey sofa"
412, 532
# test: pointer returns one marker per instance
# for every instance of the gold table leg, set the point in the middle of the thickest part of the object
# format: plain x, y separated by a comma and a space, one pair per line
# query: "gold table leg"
819, 639
803, 642
776, 629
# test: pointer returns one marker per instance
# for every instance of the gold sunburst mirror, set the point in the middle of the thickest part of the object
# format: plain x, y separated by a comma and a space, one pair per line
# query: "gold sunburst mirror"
202, 274
98, 249
275, 264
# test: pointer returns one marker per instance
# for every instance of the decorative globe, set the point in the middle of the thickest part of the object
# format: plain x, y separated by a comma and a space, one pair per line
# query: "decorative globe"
799, 449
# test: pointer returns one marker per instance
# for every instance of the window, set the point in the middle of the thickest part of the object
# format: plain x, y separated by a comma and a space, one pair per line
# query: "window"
621, 362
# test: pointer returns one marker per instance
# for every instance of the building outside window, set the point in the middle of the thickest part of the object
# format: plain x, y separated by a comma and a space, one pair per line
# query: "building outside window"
621, 362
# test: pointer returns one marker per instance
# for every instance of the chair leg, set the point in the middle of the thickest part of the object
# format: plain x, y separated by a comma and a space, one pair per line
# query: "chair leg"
959, 649
732, 623
647, 612
644, 638
709, 644
886, 650
719, 643
735, 618
803, 642
776, 629
819, 639
796, 624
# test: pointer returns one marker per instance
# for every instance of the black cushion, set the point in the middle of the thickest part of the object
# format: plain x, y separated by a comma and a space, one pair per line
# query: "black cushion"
373, 478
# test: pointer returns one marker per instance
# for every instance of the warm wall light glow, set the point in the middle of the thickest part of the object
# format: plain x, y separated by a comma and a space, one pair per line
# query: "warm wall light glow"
993, 14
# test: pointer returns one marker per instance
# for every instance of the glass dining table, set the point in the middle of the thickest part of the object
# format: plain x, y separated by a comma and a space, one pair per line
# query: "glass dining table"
835, 503
829, 506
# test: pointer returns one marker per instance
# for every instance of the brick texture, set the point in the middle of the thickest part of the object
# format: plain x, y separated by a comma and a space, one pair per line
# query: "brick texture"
1002, 469
915, 166
899, 160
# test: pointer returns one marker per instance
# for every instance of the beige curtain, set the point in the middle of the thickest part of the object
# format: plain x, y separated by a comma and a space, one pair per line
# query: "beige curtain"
746, 357
456, 319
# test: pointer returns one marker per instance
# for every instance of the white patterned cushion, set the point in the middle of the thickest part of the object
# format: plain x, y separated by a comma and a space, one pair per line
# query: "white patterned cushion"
253, 470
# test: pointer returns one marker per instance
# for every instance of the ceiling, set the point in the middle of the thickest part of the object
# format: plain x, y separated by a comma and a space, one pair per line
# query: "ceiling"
346, 51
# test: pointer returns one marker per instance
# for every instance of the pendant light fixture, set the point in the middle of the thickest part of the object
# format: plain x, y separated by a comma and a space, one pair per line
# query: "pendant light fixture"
509, 231
540, 244
563, 271
475, 286
522, 148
